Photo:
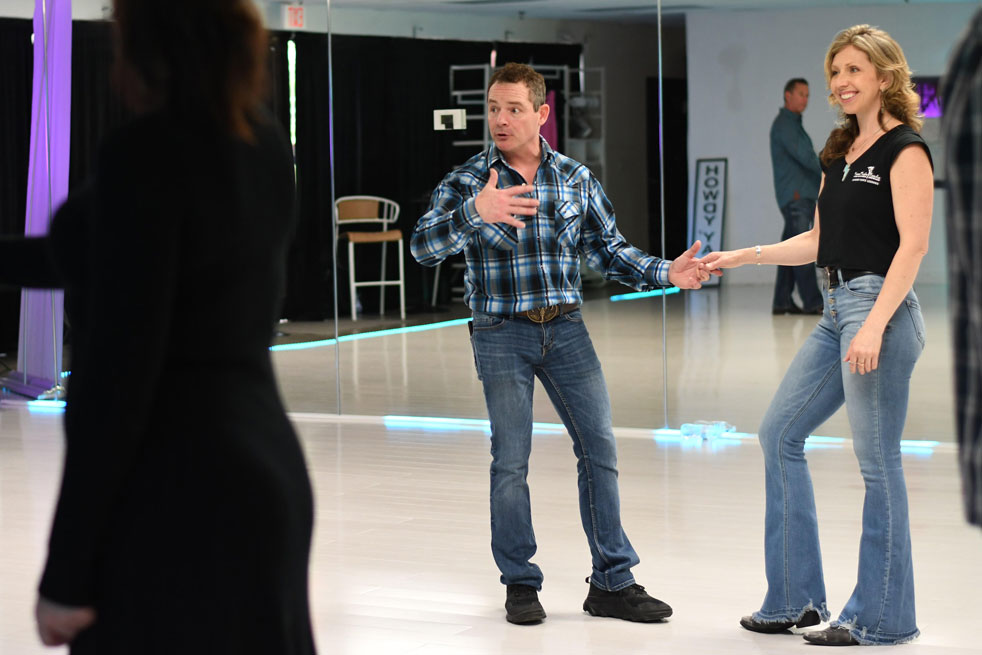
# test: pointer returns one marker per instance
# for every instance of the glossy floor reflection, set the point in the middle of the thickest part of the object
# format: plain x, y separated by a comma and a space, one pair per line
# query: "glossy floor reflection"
401, 562
726, 355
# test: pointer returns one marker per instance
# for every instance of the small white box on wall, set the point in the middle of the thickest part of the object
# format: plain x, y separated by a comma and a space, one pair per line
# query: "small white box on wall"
449, 119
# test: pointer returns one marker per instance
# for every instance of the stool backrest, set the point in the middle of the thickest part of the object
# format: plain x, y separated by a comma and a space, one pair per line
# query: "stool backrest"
349, 210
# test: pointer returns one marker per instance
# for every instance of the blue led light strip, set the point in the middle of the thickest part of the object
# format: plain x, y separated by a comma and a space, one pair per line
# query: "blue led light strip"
661, 435
369, 335
443, 423
644, 294
46, 405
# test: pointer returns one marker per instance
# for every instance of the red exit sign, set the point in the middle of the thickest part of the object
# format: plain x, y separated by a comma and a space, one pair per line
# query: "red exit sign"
293, 17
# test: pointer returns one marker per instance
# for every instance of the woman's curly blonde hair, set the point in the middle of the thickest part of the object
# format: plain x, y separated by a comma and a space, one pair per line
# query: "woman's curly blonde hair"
899, 98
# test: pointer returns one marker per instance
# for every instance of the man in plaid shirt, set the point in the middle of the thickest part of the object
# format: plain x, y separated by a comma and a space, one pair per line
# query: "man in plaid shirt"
523, 215
962, 96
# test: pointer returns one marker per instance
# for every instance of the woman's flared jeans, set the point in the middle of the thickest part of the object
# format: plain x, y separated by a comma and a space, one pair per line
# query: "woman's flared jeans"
881, 608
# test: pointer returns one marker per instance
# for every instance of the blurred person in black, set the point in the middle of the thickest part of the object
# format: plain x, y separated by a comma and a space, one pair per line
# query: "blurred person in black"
184, 518
962, 99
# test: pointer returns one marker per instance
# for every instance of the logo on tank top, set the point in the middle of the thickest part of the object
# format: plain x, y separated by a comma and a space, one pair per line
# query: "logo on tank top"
869, 177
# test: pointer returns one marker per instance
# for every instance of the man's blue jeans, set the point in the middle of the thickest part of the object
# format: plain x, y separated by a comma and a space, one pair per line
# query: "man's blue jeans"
798, 217
509, 354
881, 608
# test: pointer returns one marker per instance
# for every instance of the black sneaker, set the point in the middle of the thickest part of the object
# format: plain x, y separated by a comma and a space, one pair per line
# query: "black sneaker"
631, 604
522, 605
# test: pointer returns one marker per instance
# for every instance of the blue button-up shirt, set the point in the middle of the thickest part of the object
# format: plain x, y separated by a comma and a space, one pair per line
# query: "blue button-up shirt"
511, 269
796, 166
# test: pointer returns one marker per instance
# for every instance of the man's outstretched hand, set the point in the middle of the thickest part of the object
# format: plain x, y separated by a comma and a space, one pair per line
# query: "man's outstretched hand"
687, 271
504, 205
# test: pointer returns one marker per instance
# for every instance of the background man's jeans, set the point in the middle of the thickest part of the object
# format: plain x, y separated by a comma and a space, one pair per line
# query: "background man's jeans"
881, 609
798, 218
509, 354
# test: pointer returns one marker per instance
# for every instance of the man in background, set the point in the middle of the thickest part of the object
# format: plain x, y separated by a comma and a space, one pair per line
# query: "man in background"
797, 176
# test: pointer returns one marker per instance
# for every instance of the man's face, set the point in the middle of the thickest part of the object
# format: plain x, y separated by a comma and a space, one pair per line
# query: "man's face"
513, 123
797, 98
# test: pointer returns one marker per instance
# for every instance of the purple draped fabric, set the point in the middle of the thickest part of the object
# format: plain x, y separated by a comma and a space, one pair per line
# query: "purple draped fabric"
41, 324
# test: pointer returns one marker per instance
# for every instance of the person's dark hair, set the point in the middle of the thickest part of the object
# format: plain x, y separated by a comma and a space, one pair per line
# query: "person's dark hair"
792, 83
512, 73
898, 99
201, 59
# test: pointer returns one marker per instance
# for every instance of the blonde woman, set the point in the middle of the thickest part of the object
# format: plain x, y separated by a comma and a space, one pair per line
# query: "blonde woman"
870, 233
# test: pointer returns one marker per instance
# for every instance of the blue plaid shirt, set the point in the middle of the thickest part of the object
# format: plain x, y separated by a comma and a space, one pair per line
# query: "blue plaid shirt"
512, 270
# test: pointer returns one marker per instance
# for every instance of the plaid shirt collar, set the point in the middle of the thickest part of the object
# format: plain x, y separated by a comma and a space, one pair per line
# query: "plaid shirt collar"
548, 155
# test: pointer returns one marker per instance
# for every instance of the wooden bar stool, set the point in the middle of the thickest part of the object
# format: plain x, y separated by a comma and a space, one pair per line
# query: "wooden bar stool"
381, 213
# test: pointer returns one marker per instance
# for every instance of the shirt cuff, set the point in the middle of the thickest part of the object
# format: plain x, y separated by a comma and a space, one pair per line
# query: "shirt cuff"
661, 273
466, 218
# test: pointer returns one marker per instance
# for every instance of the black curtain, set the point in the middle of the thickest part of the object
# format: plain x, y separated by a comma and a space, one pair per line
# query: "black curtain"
385, 91
16, 77
278, 78
309, 267
676, 149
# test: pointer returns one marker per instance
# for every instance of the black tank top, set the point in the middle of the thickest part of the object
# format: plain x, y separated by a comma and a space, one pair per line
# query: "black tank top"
855, 208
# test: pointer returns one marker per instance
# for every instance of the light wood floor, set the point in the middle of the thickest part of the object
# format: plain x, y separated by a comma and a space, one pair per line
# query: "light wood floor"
401, 560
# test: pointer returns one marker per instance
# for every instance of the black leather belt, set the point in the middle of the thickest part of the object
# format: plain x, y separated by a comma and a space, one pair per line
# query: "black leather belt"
546, 314
832, 275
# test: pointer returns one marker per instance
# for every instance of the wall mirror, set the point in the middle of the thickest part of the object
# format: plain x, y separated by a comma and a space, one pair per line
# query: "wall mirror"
384, 73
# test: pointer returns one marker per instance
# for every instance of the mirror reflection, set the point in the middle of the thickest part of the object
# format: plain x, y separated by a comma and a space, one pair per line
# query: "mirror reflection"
741, 80
392, 69
389, 92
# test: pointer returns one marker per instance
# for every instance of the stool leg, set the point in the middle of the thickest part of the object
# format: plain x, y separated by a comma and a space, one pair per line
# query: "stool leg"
402, 283
351, 280
381, 287
436, 283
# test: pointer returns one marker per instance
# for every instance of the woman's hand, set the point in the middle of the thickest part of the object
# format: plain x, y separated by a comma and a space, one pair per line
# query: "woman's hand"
715, 261
60, 624
863, 355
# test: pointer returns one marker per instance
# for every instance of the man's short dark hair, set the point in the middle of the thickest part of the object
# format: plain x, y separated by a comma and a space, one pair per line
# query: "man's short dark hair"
789, 87
512, 73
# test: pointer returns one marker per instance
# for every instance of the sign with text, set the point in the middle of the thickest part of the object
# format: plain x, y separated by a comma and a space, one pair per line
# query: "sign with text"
293, 17
708, 207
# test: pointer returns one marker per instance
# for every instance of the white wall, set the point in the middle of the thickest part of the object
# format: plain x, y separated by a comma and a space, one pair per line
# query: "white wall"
738, 62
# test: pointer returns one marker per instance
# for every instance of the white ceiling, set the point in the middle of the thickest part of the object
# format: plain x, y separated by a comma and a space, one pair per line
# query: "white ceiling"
634, 10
